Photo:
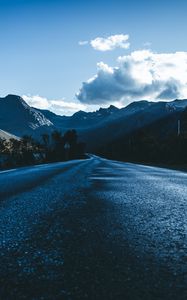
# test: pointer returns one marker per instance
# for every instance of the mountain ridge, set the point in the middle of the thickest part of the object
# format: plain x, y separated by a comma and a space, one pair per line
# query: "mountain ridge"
95, 128
18, 118
7, 136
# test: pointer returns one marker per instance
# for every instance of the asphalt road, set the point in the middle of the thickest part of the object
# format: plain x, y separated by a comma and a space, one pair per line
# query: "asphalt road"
93, 229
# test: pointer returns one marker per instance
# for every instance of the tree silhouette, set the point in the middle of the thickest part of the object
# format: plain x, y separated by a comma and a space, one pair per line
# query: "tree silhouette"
54, 147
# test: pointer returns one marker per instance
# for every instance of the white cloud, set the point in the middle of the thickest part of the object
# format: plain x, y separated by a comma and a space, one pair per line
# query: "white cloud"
37, 101
110, 43
60, 106
141, 75
83, 43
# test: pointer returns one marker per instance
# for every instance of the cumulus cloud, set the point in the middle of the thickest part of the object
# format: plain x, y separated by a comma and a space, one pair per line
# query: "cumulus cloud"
141, 75
60, 106
110, 43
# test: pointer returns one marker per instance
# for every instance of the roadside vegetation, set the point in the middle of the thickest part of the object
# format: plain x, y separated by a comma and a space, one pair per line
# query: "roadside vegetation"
51, 148
152, 145
143, 147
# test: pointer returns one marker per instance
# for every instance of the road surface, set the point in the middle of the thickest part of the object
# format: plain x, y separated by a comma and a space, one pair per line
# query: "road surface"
93, 229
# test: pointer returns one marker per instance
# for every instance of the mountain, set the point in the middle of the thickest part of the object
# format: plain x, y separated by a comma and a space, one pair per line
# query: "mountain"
18, 118
82, 120
108, 124
97, 128
7, 136
131, 118
163, 141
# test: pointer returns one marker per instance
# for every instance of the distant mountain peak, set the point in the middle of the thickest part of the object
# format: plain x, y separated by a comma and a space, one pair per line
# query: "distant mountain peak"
112, 107
12, 96
177, 104
18, 118
14, 100
80, 113
107, 110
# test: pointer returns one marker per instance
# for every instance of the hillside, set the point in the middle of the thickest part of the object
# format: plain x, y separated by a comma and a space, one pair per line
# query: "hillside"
107, 124
160, 142
7, 136
19, 119
98, 128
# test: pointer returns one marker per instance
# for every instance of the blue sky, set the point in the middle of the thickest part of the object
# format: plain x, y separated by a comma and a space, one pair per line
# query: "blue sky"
40, 53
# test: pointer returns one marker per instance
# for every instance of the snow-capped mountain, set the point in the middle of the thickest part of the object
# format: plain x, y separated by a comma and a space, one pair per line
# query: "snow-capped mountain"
18, 118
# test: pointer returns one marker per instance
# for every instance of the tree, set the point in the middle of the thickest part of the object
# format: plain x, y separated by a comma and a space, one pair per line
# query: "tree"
70, 137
